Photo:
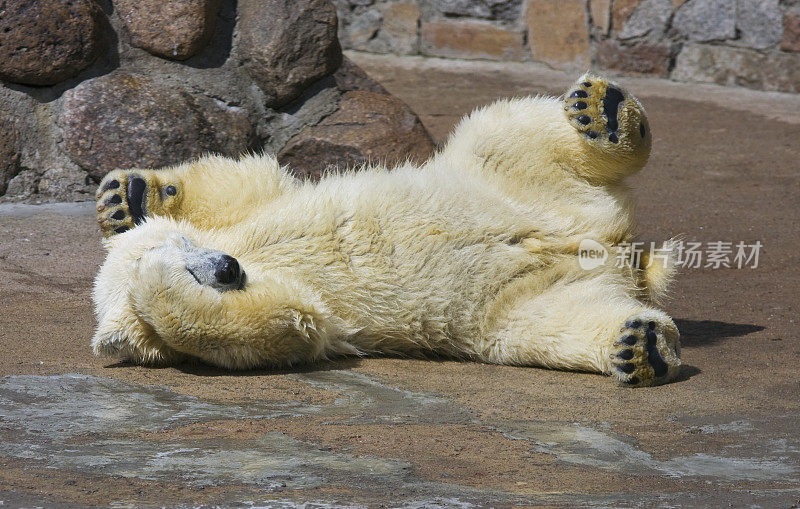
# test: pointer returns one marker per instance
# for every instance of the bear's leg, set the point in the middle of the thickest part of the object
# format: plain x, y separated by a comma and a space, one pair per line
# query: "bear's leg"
209, 192
590, 325
612, 122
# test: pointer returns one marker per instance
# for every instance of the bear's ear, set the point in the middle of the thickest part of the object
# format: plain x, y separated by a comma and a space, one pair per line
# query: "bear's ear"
177, 240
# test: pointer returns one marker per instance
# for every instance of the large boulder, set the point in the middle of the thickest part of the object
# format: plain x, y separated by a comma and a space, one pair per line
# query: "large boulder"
176, 29
368, 127
286, 45
125, 120
47, 41
272, 78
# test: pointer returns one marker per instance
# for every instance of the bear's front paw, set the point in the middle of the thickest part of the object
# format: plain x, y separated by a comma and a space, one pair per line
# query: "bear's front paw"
126, 197
647, 352
135, 343
606, 114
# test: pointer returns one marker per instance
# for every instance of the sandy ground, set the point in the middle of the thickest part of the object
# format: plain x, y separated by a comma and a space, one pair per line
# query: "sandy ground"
77, 430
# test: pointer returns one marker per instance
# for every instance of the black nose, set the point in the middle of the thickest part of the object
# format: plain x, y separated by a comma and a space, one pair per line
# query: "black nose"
227, 270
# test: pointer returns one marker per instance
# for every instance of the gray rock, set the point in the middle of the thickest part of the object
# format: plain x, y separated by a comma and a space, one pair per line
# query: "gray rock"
65, 184
367, 127
9, 151
360, 30
47, 41
315, 104
388, 28
123, 120
725, 65
285, 45
351, 77
649, 19
176, 29
706, 20
23, 186
318, 103
759, 23
37, 142
503, 10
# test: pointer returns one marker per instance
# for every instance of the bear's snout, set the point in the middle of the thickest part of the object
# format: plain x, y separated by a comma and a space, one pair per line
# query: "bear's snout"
228, 272
214, 268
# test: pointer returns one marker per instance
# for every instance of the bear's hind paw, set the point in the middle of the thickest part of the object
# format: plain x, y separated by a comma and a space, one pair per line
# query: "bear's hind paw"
647, 352
606, 114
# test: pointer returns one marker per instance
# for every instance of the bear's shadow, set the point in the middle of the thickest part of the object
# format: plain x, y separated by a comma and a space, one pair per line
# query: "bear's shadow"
699, 333
198, 368
694, 333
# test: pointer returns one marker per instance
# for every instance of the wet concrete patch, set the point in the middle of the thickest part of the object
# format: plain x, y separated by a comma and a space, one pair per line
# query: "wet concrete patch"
365, 400
765, 459
82, 423
85, 423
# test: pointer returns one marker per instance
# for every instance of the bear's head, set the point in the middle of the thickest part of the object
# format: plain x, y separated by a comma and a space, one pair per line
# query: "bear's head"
157, 252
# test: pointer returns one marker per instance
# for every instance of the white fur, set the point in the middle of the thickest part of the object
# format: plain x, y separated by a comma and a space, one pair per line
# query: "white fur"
472, 255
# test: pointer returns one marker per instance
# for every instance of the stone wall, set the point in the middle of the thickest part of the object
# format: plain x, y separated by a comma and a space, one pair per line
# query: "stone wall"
751, 43
87, 86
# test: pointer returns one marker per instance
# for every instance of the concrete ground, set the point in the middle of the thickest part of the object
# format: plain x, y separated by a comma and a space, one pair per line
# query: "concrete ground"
76, 430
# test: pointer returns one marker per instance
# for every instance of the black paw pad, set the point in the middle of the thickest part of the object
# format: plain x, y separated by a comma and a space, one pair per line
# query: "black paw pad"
660, 367
579, 93
627, 368
136, 194
611, 102
625, 355
111, 184
633, 324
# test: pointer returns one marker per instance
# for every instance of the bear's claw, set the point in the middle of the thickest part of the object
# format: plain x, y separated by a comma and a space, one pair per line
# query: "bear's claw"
647, 352
112, 205
605, 114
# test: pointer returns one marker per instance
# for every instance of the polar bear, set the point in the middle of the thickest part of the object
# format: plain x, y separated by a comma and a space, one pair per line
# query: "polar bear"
472, 255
